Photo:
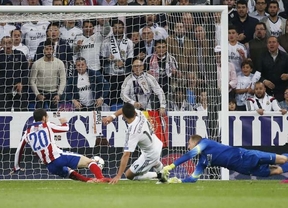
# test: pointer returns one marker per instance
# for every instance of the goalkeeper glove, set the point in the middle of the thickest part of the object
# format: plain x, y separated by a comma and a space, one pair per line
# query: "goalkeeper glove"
169, 167
174, 180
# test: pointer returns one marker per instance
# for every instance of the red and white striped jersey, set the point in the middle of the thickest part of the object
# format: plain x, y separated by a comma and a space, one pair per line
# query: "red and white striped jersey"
40, 136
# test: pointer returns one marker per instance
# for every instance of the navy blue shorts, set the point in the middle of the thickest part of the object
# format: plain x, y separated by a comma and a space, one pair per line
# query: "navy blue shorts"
256, 163
60, 165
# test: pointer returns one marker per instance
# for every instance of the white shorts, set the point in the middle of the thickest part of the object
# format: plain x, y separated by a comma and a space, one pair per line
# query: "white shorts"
143, 165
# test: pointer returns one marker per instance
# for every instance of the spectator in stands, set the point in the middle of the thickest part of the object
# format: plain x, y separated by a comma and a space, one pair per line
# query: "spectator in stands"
58, 3
148, 38
13, 77
163, 67
202, 101
88, 89
237, 52
88, 44
284, 103
138, 45
232, 73
258, 44
275, 24
283, 39
204, 54
48, 78
259, 13
17, 43
244, 87
138, 3
33, 33
106, 2
273, 66
78, 2
116, 58
62, 49
232, 13
139, 86
159, 32
6, 3
262, 101
232, 105
181, 47
188, 22
244, 23
179, 101
5, 30
69, 31
192, 84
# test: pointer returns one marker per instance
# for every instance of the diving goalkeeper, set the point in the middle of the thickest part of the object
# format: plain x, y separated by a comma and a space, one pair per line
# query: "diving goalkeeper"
211, 153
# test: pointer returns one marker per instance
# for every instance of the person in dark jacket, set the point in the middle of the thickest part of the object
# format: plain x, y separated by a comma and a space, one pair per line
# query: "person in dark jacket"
87, 89
273, 66
13, 77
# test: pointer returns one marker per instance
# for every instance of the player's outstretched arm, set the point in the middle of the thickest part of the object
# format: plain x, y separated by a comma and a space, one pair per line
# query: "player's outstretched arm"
189, 155
18, 154
108, 119
123, 165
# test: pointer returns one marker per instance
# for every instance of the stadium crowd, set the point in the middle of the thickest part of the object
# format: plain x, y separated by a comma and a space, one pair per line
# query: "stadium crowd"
156, 61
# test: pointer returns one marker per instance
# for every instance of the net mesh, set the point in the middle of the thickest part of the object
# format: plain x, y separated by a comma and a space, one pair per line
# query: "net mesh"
187, 74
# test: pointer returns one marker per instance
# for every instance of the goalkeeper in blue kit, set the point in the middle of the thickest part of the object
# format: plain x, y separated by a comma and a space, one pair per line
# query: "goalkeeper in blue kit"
211, 153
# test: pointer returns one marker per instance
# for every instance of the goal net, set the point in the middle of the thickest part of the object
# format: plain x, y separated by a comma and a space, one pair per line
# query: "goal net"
174, 44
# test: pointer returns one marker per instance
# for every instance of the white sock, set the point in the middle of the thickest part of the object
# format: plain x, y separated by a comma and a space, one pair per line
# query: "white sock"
158, 167
146, 176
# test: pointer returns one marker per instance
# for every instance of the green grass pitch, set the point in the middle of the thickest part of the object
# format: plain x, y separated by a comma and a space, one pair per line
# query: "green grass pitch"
146, 194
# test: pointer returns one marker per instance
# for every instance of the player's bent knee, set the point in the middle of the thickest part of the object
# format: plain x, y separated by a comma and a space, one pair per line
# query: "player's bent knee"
129, 175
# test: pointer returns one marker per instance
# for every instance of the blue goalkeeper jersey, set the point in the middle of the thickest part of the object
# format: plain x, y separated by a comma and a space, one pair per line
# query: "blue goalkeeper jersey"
212, 153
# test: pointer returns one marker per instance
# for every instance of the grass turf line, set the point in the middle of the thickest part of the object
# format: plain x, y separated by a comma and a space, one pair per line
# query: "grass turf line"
146, 194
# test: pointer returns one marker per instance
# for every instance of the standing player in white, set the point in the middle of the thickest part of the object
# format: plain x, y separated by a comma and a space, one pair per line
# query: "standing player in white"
40, 137
89, 44
69, 32
139, 133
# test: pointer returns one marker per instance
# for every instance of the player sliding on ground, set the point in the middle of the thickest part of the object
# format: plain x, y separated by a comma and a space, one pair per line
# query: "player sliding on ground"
139, 133
40, 136
211, 153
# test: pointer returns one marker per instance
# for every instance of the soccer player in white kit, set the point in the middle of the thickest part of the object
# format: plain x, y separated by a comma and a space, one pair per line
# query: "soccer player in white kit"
40, 137
139, 133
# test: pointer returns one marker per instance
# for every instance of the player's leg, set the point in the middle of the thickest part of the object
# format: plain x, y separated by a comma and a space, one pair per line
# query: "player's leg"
57, 168
139, 170
86, 162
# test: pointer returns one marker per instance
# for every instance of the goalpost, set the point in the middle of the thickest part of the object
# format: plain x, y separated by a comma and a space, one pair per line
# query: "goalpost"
86, 127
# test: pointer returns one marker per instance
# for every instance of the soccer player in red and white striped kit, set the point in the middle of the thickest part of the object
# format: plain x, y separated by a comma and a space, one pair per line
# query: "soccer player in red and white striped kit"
40, 136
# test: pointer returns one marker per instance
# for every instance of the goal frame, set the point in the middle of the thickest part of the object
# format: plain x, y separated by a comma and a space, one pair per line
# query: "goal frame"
224, 116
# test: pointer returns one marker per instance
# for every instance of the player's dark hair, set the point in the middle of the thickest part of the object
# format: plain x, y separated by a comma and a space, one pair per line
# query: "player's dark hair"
80, 59
128, 110
39, 113
161, 41
116, 22
196, 137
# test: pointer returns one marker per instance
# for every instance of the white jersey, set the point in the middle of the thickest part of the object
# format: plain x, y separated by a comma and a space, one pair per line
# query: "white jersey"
275, 27
33, 34
70, 34
234, 56
90, 49
5, 30
140, 133
139, 89
243, 82
40, 136
23, 48
268, 103
84, 88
